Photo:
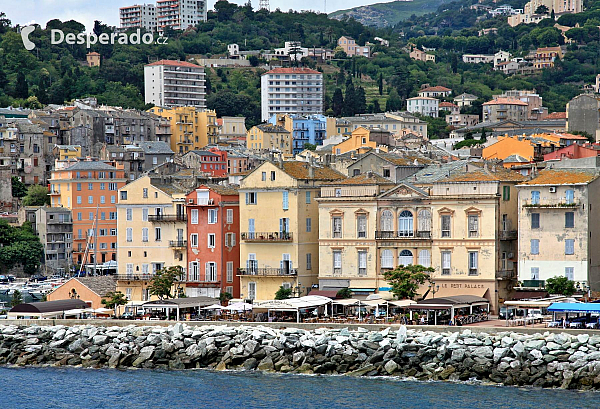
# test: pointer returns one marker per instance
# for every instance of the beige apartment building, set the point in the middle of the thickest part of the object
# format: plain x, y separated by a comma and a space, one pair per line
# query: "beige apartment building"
464, 226
279, 228
151, 220
347, 233
557, 227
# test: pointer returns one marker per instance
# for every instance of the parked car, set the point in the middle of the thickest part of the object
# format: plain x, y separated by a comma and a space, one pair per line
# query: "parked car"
38, 277
127, 316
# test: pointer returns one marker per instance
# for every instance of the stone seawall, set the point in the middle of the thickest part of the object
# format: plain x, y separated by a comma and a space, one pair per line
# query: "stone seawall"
509, 358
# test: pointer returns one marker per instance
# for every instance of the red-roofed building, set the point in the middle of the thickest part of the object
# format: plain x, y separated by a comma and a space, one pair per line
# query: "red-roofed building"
213, 250
170, 83
449, 106
435, 92
505, 108
291, 91
573, 151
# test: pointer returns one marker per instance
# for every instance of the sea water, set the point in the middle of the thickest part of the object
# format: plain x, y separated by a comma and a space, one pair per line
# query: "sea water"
34, 387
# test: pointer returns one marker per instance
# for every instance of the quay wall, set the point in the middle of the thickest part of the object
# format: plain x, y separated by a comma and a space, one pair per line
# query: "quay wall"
549, 359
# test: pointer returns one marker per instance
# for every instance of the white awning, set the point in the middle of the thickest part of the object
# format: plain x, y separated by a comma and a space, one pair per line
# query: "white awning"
293, 304
346, 301
212, 307
374, 303
402, 303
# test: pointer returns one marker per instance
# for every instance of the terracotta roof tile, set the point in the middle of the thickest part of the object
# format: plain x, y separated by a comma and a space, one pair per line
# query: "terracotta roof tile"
506, 101
556, 115
223, 190
435, 89
406, 160
299, 170
487, 175
368, 178
562, 177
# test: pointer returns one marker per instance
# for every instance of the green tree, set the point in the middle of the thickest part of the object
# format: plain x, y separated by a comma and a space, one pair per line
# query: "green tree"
542, 9
380, 83
18, 188
114, 299
344, 293
560, 285
393, 102
376, 107
16, 299
349, 108
163, 283
21, 87
405, 280
337, 102
37, 195
283, 293
224, 296
310, 146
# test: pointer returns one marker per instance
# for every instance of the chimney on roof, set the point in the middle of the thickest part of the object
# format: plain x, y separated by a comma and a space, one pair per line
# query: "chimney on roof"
280, 160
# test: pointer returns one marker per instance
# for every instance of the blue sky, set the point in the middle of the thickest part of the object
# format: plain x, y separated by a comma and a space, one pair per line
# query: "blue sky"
86, 11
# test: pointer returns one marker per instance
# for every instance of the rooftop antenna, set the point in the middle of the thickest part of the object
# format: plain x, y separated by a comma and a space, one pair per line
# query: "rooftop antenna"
264, 4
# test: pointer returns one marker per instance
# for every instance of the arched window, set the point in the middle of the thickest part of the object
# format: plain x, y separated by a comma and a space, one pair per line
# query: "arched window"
424, 223
406, 258
387, 221
387, 259
405, 224
425, 258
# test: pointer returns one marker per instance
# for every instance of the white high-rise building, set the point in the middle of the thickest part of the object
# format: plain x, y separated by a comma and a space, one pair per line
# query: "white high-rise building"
171, 83
138, 16
291, 91
180, 14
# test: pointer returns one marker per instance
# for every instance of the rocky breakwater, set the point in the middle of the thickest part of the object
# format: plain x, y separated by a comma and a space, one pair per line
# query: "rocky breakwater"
544, 360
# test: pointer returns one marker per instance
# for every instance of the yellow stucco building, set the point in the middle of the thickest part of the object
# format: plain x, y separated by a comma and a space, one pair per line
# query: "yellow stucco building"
66, 152
152, 234
279, 228
359, 140
191, 129
266, 137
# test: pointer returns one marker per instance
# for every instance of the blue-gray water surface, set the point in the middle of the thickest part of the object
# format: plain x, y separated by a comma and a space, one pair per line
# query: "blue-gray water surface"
33, 387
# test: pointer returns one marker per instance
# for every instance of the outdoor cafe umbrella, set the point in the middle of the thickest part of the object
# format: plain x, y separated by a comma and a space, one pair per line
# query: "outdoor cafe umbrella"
240, 306
212, 307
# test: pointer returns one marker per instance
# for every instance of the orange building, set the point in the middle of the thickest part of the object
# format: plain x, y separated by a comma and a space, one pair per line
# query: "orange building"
359, 139
91, 290
89, 189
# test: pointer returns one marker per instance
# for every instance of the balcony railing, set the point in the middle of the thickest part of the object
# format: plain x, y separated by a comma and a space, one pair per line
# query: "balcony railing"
267, 236
167, 218
534, 283
550, 204
267, 271
508, 234
506, 274
404, 234
134, 277
178, 243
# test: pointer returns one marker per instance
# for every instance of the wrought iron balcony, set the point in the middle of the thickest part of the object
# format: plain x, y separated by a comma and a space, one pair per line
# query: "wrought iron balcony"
506, 274
402, 235
267, 271
158, 218
178, 243
508, 234
266, 236
534, 283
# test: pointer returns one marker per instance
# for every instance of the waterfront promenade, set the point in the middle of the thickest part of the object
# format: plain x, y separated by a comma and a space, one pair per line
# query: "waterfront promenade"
488, 327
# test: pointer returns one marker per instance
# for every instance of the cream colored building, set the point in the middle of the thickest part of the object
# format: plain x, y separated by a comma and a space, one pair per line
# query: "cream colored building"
279, 228
347, 233
267, 137
557, 227
464, 226
152, 234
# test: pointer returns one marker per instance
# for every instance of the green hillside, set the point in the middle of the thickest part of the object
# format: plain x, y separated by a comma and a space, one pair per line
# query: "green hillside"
388, 14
